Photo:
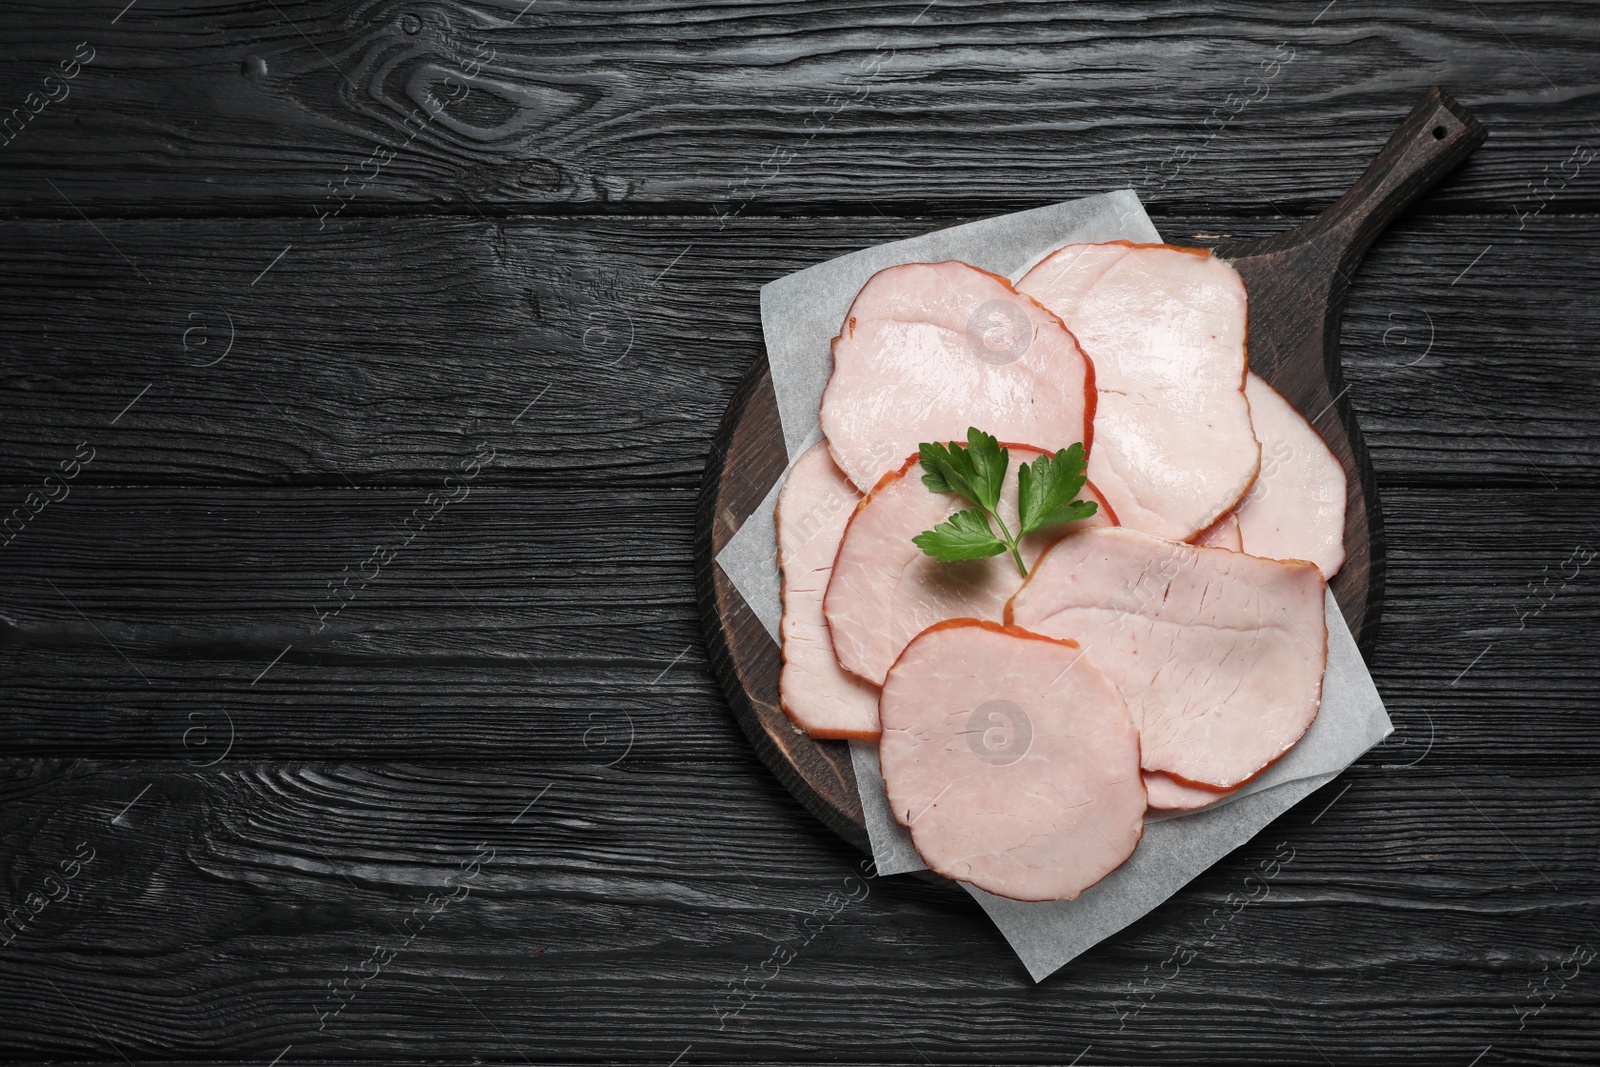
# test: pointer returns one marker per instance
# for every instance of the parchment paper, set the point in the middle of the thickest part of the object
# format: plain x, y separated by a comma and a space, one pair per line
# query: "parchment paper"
800, 314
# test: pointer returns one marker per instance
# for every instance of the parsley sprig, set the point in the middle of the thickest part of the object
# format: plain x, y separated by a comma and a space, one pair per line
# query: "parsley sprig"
1047, 491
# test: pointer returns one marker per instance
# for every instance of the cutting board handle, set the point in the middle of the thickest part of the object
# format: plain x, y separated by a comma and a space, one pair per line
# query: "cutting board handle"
1432, 141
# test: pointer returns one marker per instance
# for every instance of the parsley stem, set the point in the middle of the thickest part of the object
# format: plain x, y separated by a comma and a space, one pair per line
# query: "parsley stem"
1011, 543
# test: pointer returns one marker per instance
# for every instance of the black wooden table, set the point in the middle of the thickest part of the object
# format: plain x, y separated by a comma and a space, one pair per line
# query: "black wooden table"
359, 367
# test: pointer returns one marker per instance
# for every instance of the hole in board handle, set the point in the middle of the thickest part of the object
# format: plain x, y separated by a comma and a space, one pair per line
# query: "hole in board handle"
1439, 132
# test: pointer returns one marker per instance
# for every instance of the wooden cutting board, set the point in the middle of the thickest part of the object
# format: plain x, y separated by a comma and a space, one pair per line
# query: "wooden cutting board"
1297, 282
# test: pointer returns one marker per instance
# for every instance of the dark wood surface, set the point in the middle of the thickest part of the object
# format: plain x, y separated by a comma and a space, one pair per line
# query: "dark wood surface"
538, 641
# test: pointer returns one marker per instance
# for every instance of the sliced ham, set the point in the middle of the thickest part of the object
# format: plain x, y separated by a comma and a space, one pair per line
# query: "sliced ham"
1064, 277
929, 349
1169, 794
884, 591
814, 505
1219, 654
1165, 328
1224, 533
1295, 510
1012, 760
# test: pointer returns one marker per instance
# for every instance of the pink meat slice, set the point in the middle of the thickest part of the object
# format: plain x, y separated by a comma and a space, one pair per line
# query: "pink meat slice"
929, 349
1219, 654
1165, 328
814, 506
1169, 794
1064, 277
1224, 533
1011, 759
1295, 510
884, 590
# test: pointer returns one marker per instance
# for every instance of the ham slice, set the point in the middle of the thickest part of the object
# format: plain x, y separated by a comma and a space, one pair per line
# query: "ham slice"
1169, 794
1012, 760
1224, 533
929, 349
884, 591
1219, 654
1064, 277
1165, 328
814, 505
1295, 510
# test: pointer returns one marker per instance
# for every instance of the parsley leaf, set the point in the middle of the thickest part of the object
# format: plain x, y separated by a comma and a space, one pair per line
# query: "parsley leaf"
940, 472
965, 535
1047, 490
989, 462
976, 470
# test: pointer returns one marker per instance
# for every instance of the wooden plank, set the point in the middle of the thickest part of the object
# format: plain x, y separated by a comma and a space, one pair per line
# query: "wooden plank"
554, 623
608, 915
559, 622
384, 352
957, 109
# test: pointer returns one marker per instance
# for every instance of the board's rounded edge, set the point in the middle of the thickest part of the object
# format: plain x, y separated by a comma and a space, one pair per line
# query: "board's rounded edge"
1371, 622
734, 635
1296, 305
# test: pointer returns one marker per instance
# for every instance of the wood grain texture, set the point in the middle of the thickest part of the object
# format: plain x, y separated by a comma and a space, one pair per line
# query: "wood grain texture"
221, 906
783, 107
541, 624
503, 255
347, 368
